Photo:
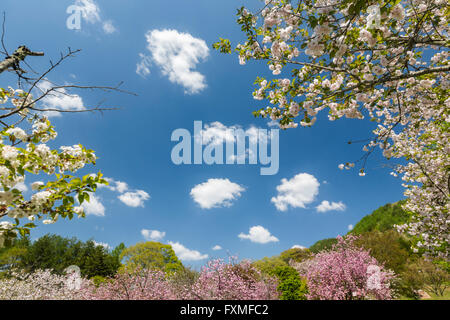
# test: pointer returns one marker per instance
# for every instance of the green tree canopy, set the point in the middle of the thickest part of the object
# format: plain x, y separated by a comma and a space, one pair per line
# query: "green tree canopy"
151, 255
382, 219
267, 265
117, 251
388, 247
295, 254
321, 245
57, 253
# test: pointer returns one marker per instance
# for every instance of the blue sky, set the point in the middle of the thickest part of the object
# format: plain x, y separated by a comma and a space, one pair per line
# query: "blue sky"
134, 145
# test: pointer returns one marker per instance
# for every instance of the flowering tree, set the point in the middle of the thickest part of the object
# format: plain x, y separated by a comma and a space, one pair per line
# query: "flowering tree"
24, 151
138, 285
346, 272
221, 281
53, 199
382, 59
216, 281
39, 285
24, 132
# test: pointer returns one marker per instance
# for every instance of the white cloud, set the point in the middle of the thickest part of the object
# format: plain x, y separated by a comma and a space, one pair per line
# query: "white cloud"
217, 247
216, 193
217, 133
121, 187
94, 206
90, 12
350, 227
102, 244
186, 254
259, 234
115, 185
296, 192
108, 27
325, 206
153, 235
273, 124
177, 54
143, 66
297, 246
59, 99
134, 199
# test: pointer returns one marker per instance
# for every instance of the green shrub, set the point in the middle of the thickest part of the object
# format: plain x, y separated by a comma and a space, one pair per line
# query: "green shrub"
291, 285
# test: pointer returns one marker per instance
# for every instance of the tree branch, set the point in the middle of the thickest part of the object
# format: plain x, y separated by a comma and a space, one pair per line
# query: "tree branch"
19, 55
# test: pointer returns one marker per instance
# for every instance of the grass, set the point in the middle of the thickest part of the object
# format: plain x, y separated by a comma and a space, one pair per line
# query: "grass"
446, 296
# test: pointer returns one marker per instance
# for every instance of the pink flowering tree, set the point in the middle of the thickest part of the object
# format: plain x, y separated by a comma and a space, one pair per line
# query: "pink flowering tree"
217, 281
383, 60
221, 281
346, 272
137, 285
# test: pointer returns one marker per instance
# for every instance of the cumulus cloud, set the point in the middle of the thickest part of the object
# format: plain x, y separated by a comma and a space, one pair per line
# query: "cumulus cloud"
134, 199
93, 206
131, 198
259, 234
217, 133
216, 193
177, 55
217, 248
59, 99
350, 227
153, 235
115, 185
186, 254
296, 192
325, 206
121, 187
297, 246
90, 12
